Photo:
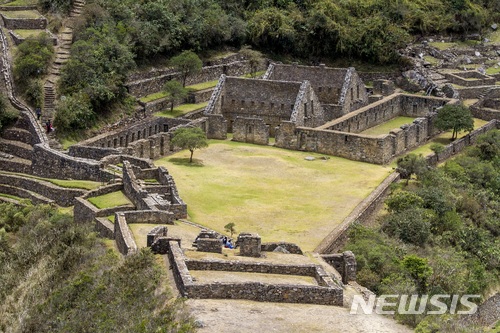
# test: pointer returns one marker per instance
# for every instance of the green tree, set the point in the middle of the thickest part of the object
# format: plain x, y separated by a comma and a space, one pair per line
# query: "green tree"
412, 226
32, 58
454, 117
74, 112
402, 200
175, 92
419, 270
254, 58
190, 138
230, 227
411, 164
187, 63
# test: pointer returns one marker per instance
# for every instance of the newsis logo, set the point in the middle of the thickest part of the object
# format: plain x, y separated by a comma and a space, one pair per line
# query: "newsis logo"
414, 304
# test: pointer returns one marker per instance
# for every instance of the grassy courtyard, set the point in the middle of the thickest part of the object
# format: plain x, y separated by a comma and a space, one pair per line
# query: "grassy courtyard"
271, 191
386, 127
113, 199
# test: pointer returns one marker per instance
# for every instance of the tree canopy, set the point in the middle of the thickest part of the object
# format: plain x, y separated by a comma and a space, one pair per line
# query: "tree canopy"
175, 92
187, 63
190, 138
454, 117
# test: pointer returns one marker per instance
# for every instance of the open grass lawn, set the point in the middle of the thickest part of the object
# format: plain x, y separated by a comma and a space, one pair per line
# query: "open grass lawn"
271, 191
29, 14
181, 110
113, 199
25, 33
444, 139
153, 97
386, 127
203, 85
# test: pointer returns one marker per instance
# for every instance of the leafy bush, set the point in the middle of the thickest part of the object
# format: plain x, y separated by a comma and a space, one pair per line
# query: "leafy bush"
74, 112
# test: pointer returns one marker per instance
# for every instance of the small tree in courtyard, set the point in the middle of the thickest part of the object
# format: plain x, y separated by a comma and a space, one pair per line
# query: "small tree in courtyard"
231, 228
175, 92
454, 117
190, 138
187, 63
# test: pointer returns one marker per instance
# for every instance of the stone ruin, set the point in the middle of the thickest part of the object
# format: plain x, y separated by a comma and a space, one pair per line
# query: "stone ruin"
249, 244
208, 241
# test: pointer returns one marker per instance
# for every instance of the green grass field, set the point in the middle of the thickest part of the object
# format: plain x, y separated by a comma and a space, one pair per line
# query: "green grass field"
181, 109
29, 14
25, 33
113, 199
271, 191
386, 127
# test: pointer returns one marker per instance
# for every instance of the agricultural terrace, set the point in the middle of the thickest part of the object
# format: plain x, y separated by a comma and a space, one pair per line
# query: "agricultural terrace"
271, 191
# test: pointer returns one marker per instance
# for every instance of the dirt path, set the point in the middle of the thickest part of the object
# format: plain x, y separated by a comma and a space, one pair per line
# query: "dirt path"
248, 316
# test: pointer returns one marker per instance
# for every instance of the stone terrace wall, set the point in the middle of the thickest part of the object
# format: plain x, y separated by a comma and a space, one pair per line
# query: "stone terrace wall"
470, 79
19, 39
251, 130
143, 87
50, 163
62, 196
290, 247
24, 23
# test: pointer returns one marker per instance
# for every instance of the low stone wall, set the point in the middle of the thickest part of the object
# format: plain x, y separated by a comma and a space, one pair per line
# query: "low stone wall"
149, 216
209, 245
472, 92
49, 163
35, 198
123, 236
104, 228
62, 196
250, 267
290, 247
200, 96
24, 23
18, 134
344, 263
18, 39
325, 295
334, 241
485, 113
470, 79
14, 165
8, 8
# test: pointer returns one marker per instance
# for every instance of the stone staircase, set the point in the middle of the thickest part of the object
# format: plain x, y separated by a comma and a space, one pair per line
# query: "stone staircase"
62, 54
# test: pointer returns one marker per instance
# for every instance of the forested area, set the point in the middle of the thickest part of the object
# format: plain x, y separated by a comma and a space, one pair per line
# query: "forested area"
440, 234
57, 276
112, 38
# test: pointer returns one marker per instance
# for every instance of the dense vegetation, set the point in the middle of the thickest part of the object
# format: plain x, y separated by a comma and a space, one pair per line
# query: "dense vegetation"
441, 232
7, 113
56, 276
112, 37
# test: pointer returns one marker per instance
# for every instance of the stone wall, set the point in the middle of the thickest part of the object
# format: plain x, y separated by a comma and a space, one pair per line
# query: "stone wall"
470, 79
62, 196
327, 293
35, 198
50, 163
251, 130
344, 263
290, 247
123, 236
209, 245
155, 83
24, 23
19, 39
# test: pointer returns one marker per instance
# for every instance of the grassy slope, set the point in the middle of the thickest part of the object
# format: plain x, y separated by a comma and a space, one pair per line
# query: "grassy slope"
271, 191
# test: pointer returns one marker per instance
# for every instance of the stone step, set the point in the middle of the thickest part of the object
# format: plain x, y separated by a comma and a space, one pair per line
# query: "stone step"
15, 164
16, 148
26, 194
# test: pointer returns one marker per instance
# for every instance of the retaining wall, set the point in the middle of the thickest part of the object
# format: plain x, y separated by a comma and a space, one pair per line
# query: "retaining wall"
123, 236
24, 23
